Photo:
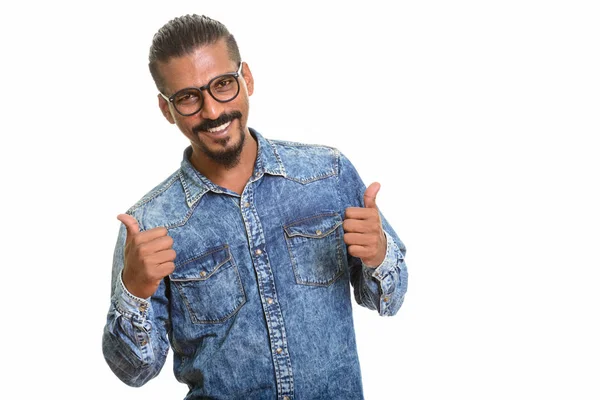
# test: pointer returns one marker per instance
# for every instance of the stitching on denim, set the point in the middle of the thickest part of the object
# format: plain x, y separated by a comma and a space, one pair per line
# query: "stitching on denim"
293, 250
302, 234
311, 178
155, 192
271, 337
288, 143
279, 161
279, 315
327, 214
207, 252
183, 221
229, 313
191, 201
185, 187
214, 270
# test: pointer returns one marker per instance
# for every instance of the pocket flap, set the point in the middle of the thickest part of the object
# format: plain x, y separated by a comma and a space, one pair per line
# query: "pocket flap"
203, 266
315, 227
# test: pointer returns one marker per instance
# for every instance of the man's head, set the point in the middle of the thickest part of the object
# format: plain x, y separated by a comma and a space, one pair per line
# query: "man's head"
182, 36
195, 52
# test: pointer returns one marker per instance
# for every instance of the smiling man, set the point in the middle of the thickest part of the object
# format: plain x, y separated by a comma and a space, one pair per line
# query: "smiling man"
243, 260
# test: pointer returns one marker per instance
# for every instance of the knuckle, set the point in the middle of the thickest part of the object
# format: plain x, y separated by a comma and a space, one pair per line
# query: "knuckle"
170, 267
145, 263
143, 250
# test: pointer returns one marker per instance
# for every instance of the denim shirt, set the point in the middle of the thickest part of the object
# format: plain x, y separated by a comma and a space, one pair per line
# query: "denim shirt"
259, 303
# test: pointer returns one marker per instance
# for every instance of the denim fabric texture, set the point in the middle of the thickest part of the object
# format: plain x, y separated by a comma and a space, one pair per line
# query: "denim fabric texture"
259, 303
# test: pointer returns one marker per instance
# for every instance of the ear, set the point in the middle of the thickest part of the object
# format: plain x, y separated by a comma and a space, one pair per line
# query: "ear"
247, 74
165, 109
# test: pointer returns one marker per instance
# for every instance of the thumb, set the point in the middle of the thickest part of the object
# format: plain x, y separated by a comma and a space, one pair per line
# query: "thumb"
130, 223
370, 195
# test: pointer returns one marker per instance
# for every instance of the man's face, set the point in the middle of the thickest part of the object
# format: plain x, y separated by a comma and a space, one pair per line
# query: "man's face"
218, 130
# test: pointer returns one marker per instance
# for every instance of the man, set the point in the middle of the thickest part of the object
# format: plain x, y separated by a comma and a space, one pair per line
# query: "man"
242, 260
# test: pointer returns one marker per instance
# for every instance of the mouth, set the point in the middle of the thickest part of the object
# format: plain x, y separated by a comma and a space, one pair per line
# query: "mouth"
220, 130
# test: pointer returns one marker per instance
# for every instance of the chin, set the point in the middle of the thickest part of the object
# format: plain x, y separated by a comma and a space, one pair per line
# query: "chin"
225, 151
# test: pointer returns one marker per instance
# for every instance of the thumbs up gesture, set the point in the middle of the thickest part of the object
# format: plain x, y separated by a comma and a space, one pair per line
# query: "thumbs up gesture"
149, 257
363, 232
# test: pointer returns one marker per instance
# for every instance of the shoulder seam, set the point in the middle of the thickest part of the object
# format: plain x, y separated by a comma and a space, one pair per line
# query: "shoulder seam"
157, 191
286, 143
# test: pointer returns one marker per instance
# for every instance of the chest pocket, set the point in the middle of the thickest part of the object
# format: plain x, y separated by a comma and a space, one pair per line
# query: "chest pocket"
315, 247
210, 286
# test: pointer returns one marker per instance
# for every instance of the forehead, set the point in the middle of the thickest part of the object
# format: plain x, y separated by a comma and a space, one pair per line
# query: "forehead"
197, 67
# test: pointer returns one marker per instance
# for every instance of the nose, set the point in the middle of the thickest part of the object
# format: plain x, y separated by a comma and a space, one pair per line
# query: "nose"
211, 109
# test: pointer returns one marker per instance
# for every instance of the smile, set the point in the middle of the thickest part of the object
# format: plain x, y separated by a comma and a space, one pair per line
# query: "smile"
219, 129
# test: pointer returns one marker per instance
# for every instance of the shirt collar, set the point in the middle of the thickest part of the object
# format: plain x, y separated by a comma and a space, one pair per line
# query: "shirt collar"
195, 185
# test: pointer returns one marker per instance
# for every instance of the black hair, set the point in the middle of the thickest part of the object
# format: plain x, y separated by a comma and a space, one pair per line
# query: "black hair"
182, 36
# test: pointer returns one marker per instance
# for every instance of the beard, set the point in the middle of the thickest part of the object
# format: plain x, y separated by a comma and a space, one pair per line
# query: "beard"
228, 157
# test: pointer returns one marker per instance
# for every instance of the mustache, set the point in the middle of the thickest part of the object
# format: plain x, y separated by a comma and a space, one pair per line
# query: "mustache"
213, 123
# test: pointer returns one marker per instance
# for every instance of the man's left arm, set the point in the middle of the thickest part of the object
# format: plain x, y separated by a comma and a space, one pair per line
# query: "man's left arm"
375, 252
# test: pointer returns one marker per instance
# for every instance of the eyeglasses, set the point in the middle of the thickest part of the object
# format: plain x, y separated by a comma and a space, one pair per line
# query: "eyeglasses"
222, 88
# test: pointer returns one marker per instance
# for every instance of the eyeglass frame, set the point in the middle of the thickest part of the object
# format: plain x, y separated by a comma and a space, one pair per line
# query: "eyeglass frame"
206, 87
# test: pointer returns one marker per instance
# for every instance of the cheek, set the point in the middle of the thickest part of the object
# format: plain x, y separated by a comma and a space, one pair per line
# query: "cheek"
243, 106
185, 126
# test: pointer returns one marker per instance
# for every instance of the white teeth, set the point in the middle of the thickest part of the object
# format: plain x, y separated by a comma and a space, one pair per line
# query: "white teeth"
219, 128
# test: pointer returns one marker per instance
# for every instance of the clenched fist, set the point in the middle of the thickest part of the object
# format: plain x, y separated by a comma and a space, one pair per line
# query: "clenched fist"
149, 257
363, 232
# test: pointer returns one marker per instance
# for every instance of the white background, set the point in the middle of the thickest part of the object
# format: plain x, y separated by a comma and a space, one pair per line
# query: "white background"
480, 119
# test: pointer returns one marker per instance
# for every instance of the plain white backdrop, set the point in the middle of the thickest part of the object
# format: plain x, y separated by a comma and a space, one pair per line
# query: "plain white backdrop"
480, 119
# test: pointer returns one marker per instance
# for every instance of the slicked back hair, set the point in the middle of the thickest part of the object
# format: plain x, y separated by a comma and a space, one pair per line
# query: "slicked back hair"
183, 35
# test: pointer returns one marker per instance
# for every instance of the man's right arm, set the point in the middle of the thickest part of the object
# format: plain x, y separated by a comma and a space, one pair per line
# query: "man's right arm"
134, 342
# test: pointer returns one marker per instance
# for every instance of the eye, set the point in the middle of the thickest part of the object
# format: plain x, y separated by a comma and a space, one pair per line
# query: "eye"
225, 83
187, 98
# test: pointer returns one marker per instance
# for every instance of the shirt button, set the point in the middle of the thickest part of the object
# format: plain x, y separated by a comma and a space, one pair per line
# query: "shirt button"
144, 342
386, 299
319, 232
279, 350
246, 204
286, 398
203, 274
270, 300
258, 252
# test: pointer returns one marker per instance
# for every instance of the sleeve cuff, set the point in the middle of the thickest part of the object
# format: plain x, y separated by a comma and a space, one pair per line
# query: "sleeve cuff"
129, 305
387, 274
387, 271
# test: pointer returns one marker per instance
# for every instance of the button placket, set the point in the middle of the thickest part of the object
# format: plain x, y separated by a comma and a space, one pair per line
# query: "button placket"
266, 287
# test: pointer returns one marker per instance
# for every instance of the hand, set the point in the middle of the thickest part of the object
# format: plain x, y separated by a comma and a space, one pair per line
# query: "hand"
149, 257
363, 232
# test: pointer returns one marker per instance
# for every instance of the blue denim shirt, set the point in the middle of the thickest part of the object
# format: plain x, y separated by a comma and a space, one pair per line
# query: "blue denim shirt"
259, 303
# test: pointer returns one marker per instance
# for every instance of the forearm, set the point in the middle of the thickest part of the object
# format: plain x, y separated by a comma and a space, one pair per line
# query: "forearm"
132, 342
